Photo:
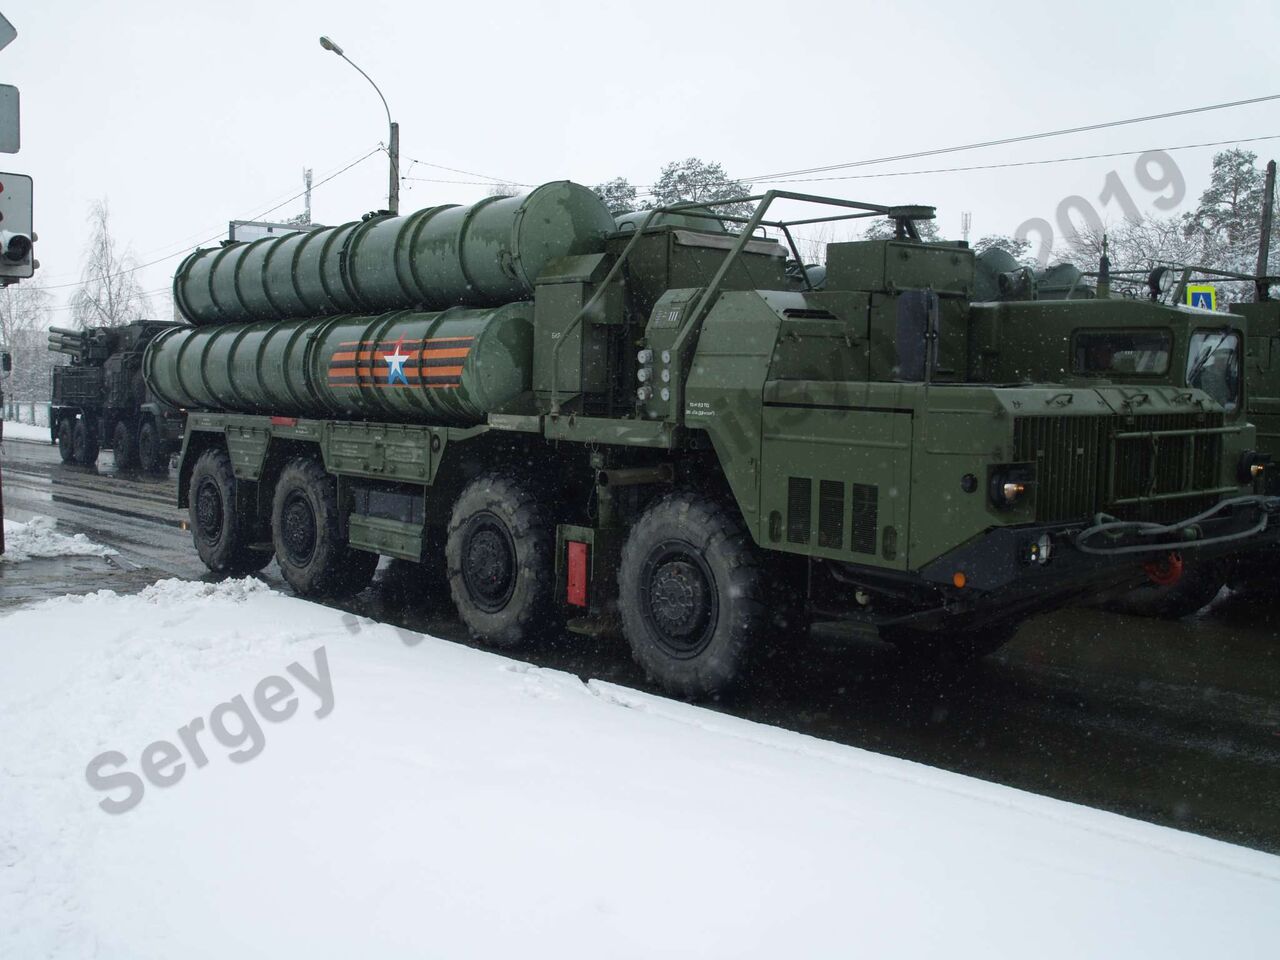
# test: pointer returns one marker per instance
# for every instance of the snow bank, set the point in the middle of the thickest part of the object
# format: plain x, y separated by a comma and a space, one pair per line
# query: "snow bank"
38, 538
25, 431
458, 804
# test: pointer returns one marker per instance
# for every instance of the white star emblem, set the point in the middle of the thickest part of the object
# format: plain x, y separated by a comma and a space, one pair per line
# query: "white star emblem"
395, 361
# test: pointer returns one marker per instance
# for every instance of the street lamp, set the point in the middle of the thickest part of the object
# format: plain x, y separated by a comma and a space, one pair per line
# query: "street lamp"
393, 144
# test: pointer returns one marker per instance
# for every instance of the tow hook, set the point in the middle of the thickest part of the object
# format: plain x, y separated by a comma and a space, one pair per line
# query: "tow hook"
1166, 571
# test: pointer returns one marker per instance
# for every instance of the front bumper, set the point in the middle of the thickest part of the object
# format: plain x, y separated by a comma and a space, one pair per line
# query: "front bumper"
1009, 564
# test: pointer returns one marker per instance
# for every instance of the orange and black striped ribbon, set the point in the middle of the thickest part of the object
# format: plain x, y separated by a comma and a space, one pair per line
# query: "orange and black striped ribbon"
435, 363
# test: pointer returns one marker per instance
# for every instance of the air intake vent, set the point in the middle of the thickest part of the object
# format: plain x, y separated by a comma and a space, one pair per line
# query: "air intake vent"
799, 509
831, 514
808, 313
866, 517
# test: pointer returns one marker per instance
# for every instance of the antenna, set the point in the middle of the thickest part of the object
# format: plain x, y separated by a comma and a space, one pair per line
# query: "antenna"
966, 222
306, 179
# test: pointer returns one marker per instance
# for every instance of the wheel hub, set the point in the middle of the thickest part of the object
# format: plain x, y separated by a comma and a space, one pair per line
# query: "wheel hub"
298, 529
679, 603
209, 512
489, 564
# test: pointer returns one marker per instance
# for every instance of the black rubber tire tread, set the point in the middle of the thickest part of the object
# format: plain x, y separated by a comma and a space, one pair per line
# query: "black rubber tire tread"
1199, 584
531, 612
124, 447
66, 447
714, 531
949, 649
230, 554
151, 454
334, 569
84, 441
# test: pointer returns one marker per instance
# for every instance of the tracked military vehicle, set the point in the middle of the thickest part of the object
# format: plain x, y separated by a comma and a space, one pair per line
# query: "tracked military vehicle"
569, 422
100, 400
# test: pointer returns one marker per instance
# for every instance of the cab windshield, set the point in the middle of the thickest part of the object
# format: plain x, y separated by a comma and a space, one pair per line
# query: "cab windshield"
1213, 365
1120, 352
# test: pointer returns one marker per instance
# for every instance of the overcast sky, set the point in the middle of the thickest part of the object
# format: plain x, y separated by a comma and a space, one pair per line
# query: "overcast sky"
184, 115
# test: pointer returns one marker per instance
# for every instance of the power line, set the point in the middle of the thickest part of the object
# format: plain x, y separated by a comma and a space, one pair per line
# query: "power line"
1028, 163
152, 263
467, 173
1086, 128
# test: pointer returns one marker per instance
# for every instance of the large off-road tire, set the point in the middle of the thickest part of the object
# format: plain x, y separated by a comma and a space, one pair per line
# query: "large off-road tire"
949, 649
151, 453
221, 542
66, 441
306, 530
1199, 584
692, 595
123, 447
500, 558
84, 442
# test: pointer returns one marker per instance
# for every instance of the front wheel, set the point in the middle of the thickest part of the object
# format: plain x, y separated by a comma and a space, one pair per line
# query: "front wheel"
220, 538
692, 595
500, 554
123, 447
305, 529
84, 443
151, 452
66, 441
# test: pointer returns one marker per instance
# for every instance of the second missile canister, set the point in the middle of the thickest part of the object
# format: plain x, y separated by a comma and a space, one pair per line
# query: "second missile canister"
482, 255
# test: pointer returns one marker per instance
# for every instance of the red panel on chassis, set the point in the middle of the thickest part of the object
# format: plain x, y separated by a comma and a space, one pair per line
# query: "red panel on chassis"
576, 587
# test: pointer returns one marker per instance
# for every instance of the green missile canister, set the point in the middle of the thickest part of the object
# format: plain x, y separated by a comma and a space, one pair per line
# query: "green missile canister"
482, 255
448, 367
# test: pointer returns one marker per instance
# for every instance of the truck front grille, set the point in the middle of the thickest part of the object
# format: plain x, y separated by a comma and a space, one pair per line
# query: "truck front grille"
1085, 465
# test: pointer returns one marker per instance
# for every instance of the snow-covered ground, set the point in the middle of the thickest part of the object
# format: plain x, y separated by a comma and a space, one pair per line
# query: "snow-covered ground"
39, 538
424, 799
25, 431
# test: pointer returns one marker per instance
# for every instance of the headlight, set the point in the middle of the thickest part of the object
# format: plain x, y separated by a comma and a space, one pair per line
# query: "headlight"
1010, 484
1252, 465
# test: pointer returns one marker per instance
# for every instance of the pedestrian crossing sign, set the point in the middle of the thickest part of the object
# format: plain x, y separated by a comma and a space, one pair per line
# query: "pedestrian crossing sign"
1202, 295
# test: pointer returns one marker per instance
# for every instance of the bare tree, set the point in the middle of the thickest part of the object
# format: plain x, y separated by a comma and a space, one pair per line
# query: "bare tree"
24, 317
110, 295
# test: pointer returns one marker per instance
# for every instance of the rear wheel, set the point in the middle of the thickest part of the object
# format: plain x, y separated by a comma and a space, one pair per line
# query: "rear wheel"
220, 539
692, 595
151, 451
84, 443
66, 443
501, 564
123, 447
305, 528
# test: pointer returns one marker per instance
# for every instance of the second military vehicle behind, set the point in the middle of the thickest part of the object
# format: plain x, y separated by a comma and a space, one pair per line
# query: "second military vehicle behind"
100, 400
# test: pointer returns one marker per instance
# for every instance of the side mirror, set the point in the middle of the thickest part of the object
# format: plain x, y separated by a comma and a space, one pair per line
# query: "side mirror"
6, 362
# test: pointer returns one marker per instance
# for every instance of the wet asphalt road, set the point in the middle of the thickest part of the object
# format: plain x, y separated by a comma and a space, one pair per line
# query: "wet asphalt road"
1175, 723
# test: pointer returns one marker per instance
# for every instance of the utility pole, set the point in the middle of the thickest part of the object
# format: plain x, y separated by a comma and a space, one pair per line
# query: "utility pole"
1264, 241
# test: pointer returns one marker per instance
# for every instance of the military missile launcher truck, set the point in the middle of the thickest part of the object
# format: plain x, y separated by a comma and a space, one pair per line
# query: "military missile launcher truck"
666, 424
100, 400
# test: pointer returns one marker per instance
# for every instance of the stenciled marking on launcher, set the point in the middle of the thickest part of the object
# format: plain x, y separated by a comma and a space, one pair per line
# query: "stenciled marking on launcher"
163, 762
435, 364
1113, 190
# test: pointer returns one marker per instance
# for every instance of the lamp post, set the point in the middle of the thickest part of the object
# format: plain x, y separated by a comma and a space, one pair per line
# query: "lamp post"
393, 140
